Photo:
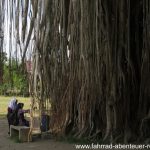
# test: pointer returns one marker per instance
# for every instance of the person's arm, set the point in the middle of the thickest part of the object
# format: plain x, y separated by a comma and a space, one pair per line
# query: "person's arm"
26, 111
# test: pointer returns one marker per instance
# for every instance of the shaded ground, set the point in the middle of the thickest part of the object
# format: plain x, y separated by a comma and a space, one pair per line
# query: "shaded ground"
41, 144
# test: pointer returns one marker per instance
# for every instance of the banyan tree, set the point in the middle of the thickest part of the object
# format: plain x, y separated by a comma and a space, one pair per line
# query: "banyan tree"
90, 64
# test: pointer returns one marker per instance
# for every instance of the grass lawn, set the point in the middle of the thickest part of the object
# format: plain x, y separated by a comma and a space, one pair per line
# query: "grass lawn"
4, 101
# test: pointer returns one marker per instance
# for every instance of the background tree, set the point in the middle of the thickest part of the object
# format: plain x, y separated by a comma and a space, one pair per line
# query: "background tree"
18, 78
1, 41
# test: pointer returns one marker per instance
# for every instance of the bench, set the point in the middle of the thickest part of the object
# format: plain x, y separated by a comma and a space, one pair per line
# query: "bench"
20, 131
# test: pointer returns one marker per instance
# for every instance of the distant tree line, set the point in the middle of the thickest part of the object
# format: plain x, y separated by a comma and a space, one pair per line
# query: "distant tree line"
14, 81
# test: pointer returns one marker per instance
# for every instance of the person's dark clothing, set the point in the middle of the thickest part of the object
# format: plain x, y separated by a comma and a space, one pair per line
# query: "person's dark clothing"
22, 120
12, 117
20, 114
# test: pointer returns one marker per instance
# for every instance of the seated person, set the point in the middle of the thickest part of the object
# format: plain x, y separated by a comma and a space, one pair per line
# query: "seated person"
21, 118
12, 112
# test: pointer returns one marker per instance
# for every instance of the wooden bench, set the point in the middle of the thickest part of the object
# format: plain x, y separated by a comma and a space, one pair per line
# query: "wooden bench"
20, 131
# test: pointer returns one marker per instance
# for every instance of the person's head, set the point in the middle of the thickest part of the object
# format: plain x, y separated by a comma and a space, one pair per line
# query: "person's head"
20, 105
13, 103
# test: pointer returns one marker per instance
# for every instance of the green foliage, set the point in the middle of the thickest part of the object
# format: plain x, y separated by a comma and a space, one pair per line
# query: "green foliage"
3, 57
14, 80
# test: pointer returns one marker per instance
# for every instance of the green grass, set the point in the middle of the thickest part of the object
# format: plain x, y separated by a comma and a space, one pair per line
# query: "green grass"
4, 101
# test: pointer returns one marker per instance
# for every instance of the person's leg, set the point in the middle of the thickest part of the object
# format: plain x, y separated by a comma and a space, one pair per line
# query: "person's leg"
8, 123
9, 129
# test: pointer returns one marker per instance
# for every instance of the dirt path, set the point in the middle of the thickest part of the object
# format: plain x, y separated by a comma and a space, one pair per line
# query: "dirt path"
7, 144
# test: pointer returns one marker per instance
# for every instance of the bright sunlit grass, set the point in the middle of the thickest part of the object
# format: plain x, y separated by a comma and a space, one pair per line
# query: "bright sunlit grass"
4, 101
